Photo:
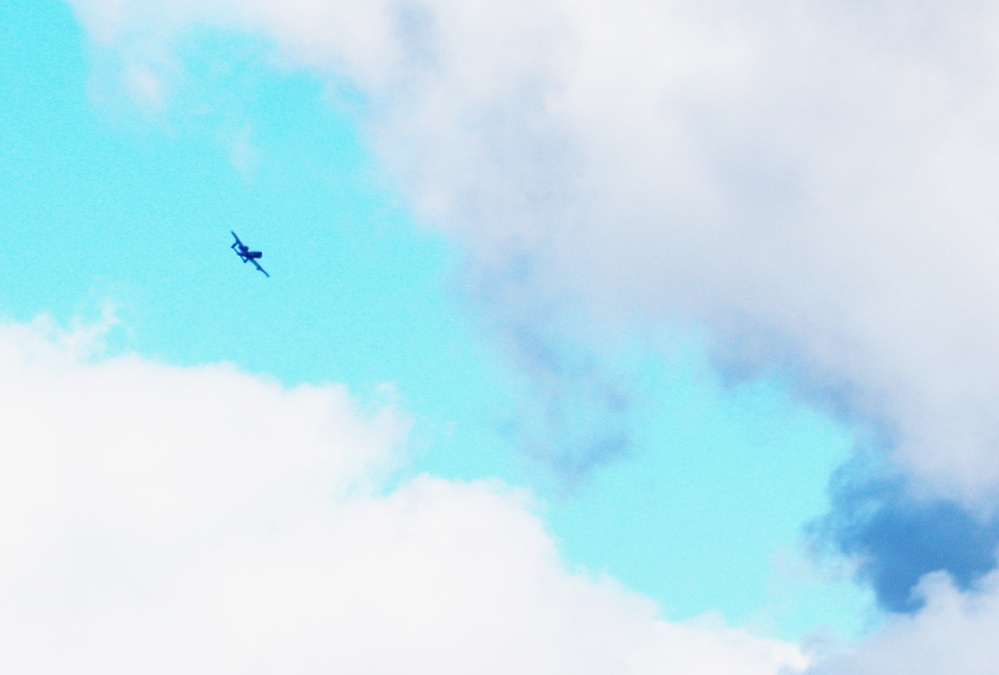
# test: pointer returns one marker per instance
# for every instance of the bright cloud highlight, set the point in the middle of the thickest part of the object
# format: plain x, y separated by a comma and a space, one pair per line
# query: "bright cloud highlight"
955, 633
164, 519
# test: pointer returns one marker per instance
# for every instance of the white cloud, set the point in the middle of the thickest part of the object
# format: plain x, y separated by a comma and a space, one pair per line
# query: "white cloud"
954, 633
159, 519
815, 180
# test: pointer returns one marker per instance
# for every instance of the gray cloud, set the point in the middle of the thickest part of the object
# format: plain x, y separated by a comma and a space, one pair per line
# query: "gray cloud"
817, 173
813, 180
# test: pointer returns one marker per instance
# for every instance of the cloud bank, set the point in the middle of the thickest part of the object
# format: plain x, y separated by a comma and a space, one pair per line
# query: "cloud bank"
810, 182
161, 519
955, 633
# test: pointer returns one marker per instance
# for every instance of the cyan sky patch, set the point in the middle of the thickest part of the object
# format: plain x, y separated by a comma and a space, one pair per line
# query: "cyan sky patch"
683, 488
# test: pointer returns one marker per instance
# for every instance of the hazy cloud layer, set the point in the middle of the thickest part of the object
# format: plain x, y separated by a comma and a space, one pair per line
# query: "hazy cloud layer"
813, 182
954, 633
160, 520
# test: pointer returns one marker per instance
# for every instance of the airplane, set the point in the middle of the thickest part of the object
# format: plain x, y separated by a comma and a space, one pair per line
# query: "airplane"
245, 254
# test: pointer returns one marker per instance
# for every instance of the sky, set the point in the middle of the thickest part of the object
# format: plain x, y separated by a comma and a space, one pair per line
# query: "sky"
599, 337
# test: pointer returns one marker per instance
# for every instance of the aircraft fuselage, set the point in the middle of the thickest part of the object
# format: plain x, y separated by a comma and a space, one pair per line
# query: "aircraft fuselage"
245, 252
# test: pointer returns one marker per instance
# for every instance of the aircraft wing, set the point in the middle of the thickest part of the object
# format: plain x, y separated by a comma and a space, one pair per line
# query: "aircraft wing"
257, 265
237, 242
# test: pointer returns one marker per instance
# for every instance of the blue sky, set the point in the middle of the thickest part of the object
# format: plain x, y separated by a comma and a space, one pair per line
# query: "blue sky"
110, 202
646, 462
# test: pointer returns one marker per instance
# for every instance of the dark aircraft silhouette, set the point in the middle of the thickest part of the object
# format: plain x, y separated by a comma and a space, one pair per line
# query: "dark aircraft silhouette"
246, 255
